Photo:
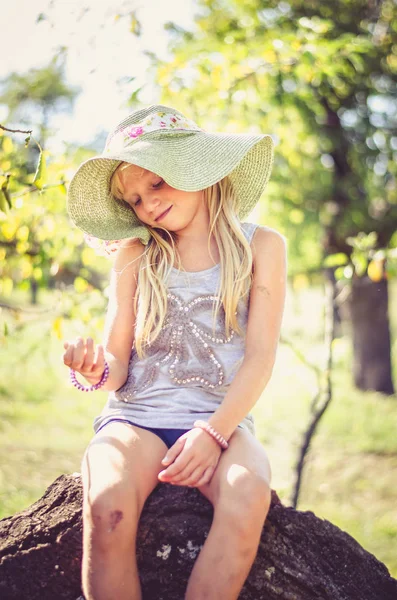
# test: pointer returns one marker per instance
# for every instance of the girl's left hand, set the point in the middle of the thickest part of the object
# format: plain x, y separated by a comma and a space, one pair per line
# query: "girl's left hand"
192, 460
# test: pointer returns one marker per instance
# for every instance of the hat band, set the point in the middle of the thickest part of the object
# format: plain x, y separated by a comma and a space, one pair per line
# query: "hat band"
160, 121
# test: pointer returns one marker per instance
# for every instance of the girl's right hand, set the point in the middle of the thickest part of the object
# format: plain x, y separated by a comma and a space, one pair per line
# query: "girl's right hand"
83, 357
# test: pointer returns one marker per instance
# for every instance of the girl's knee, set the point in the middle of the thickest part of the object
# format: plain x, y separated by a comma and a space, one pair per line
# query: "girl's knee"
110, 517
245, 498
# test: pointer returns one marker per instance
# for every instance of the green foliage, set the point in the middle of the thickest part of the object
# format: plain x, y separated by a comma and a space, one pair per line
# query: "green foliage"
364, 259
320, 77
39, 247
40, 91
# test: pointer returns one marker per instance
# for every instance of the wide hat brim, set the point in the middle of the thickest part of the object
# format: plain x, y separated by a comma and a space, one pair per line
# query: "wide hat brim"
188, 161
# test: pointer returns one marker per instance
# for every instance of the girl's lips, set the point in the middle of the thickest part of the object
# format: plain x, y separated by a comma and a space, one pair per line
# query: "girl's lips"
164, 214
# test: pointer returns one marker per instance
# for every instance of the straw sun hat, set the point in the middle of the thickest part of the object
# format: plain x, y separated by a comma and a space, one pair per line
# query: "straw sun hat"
160, 139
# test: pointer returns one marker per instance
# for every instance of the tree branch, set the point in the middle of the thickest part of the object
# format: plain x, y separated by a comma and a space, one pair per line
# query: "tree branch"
323, 396
30, 131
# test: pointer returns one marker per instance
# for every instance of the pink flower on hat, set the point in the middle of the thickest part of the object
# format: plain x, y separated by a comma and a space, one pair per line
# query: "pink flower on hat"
134, 132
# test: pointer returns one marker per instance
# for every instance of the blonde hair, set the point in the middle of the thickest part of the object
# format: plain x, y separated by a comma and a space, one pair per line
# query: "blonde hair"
150, 302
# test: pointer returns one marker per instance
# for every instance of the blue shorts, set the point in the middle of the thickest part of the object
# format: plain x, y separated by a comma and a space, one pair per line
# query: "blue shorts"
169, 436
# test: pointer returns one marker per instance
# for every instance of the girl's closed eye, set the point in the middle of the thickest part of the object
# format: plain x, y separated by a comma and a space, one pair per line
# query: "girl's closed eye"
155, 186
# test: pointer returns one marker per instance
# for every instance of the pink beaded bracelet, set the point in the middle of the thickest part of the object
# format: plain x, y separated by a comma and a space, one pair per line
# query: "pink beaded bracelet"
91, 388
213, 433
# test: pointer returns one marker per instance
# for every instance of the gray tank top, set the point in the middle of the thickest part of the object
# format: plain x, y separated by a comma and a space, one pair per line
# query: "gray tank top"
189, 368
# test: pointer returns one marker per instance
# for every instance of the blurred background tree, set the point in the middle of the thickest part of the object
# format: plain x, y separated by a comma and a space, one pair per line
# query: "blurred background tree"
33, 96
36, 242
321, 77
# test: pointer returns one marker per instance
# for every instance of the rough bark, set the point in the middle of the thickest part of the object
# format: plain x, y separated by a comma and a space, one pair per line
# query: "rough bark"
371, 335
300, 557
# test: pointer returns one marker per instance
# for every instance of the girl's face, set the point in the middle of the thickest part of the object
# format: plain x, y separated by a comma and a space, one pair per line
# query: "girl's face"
150, 197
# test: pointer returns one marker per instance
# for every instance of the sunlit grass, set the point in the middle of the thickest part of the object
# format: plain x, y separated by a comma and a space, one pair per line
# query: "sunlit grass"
350, 472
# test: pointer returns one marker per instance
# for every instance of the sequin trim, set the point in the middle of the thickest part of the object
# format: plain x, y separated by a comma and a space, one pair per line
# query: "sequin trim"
179, 334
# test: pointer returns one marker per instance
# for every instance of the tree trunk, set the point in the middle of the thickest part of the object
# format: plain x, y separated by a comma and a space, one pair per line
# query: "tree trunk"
371, 335
34, 288
300, 557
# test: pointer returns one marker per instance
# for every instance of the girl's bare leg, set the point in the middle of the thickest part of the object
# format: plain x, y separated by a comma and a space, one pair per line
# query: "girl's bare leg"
240, 493
119, 471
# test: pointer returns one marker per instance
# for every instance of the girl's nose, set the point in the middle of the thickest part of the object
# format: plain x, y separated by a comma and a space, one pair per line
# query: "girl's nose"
152, 201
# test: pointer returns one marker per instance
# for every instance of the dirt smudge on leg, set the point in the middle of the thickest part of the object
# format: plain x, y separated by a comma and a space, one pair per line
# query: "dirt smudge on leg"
115, 517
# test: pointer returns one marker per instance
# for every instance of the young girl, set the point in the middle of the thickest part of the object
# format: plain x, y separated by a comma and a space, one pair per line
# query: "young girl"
195, 307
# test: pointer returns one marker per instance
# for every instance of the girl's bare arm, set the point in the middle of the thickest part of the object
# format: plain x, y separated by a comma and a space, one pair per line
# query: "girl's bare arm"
83, 356
263, 330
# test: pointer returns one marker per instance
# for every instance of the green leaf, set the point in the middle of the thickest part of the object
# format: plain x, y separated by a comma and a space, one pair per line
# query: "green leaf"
41, 172
3, 203
5, 198
80, 285
360, 263
336, 260
340, 273
135, 25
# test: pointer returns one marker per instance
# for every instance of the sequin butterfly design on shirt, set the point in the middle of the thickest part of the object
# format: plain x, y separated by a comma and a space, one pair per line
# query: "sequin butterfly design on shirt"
179, 333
